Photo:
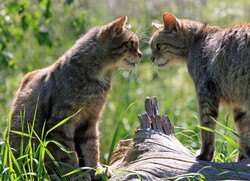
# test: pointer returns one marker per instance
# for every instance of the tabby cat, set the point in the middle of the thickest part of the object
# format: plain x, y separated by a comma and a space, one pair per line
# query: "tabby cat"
79, 80
218, 60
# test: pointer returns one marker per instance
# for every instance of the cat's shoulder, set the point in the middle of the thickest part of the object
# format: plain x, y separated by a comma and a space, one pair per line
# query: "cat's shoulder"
236, 34
220, 31
238, 29
31, 78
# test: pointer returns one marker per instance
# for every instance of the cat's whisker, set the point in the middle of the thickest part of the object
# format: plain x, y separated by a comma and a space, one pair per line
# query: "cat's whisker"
156, 70
142, 34
138, 31
128, 73
144, 38
125, 72
135, 71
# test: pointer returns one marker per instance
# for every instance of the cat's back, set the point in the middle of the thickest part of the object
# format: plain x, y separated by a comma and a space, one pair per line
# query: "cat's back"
228, 49
228, 55
231, 43
34, 89
33, 81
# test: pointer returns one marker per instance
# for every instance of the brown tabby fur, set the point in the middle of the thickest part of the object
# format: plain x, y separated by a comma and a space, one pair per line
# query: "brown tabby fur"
218, 60
80, 79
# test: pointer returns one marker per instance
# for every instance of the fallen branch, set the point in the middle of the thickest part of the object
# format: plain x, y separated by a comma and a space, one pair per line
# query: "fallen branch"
155, 154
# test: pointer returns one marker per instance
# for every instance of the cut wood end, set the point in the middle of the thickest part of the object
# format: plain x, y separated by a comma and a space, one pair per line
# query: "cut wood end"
151, 106
152, 119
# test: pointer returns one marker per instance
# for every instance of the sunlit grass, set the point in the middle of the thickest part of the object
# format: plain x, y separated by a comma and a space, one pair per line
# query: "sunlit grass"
29, 163
176, 98
173, 87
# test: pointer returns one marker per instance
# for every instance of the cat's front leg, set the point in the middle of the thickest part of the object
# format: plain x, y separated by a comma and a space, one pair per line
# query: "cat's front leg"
88, 148
208, 107
69, 159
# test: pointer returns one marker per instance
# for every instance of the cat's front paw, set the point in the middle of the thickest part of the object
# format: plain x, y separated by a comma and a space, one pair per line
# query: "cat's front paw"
242, 158
205, 155
104, 171
86, 177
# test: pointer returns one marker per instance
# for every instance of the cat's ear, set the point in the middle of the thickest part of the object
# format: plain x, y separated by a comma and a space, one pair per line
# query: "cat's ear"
114, 28
157, 25
118, 25
171, 23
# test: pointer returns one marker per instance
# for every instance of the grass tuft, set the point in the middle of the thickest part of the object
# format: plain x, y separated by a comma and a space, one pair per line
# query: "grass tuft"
30, 164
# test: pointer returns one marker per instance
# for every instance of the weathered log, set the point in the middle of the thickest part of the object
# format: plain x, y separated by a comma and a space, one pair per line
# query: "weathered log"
154, 154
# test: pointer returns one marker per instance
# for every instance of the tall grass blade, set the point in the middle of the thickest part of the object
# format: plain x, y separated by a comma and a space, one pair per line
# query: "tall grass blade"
115, 136
62, 122
232, 142
205, 128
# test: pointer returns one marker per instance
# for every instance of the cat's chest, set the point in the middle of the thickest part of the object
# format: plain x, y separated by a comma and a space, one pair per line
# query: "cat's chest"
89, 99
196, 64
199, 69
91, 109
91, 104
83, 93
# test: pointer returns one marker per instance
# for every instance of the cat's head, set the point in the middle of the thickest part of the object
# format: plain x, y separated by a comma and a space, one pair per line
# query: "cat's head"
169, 43
119, 44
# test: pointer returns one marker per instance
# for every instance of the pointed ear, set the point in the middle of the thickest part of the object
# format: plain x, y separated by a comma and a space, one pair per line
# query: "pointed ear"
157, 25
114, 28
119, 24
171, 23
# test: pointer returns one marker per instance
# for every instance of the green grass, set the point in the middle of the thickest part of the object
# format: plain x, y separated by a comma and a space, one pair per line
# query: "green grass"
173, 87
176, 98
30, 164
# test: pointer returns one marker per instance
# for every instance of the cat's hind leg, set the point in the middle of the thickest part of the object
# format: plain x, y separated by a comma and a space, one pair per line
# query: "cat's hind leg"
242, 122
62, 148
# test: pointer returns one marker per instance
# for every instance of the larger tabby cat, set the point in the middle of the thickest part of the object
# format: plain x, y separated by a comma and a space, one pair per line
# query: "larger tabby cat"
80, 79
218, 60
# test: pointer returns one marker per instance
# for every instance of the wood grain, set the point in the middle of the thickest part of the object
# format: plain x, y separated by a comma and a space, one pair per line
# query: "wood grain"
155, 154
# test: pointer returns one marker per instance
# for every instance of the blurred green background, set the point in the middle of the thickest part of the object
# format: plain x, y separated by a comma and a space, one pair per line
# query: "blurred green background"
35, 33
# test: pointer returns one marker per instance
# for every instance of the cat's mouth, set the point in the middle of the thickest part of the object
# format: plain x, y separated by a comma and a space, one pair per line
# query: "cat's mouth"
163, 64
129, 63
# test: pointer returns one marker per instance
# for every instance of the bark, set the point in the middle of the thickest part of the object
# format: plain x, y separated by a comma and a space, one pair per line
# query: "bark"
154, 154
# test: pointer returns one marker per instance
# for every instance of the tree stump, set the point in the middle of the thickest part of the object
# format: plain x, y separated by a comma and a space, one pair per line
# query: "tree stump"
155, 154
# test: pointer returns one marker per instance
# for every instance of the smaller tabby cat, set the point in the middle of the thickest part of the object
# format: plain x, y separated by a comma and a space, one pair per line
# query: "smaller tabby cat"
80, 79
218, 60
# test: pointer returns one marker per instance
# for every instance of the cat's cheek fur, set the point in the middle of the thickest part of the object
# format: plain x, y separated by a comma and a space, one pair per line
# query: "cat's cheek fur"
162, 63
169, 59
129, 61
175, 59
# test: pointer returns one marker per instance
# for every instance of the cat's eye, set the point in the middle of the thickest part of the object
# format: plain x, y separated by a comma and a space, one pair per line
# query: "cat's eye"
129, 44
158, 46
